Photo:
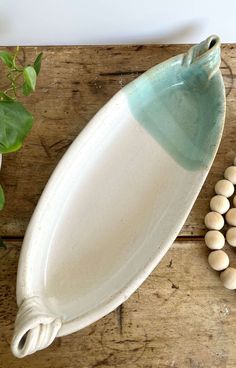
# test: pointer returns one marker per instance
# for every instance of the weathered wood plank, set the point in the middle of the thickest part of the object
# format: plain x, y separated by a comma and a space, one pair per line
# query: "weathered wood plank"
74, 83
180, 317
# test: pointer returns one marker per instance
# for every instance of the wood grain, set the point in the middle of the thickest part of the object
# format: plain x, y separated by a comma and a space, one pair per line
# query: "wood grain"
74, 84
180, 317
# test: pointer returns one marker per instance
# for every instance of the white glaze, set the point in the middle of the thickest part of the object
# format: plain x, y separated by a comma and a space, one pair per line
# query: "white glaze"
34, 318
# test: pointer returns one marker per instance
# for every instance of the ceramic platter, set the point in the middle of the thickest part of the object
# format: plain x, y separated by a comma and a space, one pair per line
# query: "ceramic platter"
119, 196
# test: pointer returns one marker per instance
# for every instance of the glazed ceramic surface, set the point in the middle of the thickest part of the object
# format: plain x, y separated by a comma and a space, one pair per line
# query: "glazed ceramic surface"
119, 197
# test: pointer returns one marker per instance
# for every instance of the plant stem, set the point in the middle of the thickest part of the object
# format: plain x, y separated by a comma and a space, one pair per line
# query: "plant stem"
15, 56
13, 80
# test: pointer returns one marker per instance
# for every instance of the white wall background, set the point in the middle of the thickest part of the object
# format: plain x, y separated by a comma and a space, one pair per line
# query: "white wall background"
63, 22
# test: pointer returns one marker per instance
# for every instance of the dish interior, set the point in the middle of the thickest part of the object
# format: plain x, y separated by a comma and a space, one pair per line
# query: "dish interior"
113, 220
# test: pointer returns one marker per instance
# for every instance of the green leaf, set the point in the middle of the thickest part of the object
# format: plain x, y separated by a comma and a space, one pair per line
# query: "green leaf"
26, 89
6, 57
2, 198
30, 77
15, 124
37, 63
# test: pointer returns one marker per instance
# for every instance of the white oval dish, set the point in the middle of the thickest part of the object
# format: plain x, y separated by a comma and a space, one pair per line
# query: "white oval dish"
119, 196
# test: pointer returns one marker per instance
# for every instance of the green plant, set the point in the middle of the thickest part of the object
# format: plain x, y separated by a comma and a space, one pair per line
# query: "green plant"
15, 120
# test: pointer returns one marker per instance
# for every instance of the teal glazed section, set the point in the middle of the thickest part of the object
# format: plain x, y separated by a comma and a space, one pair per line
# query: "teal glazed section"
181, 103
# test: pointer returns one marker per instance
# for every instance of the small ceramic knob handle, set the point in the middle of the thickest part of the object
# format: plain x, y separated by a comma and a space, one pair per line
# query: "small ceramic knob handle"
35, 328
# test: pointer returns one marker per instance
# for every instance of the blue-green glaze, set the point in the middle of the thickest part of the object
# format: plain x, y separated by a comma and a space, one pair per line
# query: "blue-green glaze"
181, 103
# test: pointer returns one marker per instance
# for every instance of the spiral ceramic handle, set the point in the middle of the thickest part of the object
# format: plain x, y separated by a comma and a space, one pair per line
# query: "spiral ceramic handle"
35, 328
204, 57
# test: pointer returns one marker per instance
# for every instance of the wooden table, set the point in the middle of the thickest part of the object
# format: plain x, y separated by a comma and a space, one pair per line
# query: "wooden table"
181, 316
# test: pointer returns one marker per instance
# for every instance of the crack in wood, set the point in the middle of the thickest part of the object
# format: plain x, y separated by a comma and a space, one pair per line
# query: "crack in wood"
121, 73
45, 147
231, 76
173, 285
102, 362
120, 317
170, 264
140, 47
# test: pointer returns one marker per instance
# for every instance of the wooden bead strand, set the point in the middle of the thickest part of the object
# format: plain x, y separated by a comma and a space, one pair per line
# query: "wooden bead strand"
214, 221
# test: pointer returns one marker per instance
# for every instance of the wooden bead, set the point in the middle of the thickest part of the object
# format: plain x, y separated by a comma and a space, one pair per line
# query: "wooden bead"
231, 217
230, 174
231, 236
214, 221
234, 201
224, 187
218, 260
214, 239
228, 278
219, 204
